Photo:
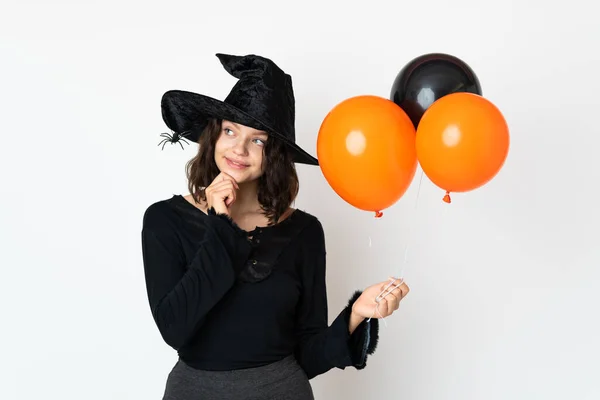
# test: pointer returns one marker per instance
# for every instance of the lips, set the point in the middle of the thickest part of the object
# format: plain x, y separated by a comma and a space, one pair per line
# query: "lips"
236, 164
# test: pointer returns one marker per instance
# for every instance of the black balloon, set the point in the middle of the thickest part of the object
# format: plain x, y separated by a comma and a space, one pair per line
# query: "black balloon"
428, 78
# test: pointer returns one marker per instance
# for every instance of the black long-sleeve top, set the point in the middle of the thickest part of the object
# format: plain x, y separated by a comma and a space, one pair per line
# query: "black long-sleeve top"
229, 299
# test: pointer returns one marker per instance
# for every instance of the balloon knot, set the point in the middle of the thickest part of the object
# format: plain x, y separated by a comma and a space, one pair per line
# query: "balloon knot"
447, 198
378, 214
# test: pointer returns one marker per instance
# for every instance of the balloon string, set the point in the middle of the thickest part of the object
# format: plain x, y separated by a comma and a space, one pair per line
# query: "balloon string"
386, 290
411, 226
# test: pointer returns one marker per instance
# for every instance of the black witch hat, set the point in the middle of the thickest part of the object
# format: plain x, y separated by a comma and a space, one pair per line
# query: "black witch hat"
262, 98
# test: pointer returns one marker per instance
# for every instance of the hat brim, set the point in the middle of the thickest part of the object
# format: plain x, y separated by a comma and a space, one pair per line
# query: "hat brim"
189, 112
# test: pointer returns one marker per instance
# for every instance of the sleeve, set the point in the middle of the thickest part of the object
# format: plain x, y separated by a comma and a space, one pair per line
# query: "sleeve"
322, 347
181, 295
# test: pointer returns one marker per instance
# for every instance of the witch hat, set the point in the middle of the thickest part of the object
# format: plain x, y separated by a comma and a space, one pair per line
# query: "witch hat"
262, 98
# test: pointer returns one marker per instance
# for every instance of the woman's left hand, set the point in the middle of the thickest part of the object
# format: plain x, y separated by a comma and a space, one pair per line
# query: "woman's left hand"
378, 301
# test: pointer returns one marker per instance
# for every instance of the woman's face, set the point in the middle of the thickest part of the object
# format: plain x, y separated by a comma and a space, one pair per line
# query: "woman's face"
239, 151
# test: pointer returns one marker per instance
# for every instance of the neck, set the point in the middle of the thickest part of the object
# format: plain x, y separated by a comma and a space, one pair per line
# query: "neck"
246, 199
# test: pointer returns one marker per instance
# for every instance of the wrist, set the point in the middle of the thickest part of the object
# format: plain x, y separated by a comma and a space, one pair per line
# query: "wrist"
221, 210
354, 321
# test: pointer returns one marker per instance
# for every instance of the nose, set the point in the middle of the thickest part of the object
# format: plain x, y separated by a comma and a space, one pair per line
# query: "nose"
240, 147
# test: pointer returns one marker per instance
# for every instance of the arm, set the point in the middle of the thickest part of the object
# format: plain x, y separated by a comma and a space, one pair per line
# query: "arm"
181, 295
348, 340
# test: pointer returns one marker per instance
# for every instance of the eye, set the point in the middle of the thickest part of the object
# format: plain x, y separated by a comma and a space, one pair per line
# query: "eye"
228, 131
260, 142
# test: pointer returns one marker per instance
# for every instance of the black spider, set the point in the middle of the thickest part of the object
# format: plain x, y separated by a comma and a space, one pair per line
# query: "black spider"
174, 138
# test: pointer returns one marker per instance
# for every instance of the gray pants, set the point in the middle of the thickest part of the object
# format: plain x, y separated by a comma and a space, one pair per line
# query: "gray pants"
282, 380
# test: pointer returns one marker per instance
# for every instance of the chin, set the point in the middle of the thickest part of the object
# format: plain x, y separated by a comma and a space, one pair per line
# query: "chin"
241, 175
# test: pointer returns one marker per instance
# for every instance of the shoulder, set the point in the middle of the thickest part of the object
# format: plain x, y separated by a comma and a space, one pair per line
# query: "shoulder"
312, 228
202, 206
305, 218
158, 215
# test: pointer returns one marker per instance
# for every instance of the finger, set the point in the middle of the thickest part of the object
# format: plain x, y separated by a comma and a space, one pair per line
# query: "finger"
220, 189
218, 178
405, 289
391, 282
393, 300
399, 283
389, 287
394, 294
380, 308
229, 200
224, 183
397, 302
401, 293
227, 177
387, 308
225, 193
391, 293
210, 191
223, 177
231, 197
398, 294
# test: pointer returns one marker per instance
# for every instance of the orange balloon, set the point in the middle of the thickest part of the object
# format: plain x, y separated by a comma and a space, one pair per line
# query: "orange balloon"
462, 142
366, 151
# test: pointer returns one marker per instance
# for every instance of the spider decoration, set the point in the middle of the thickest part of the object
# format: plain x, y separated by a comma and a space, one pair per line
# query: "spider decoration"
174, 138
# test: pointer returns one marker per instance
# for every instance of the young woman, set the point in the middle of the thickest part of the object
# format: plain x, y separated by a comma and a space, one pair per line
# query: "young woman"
235, 276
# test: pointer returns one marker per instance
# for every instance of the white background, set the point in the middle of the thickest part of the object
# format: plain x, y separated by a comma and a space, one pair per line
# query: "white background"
504, 300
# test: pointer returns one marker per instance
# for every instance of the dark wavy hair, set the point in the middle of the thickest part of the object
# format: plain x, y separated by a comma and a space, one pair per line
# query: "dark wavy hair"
277, 187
